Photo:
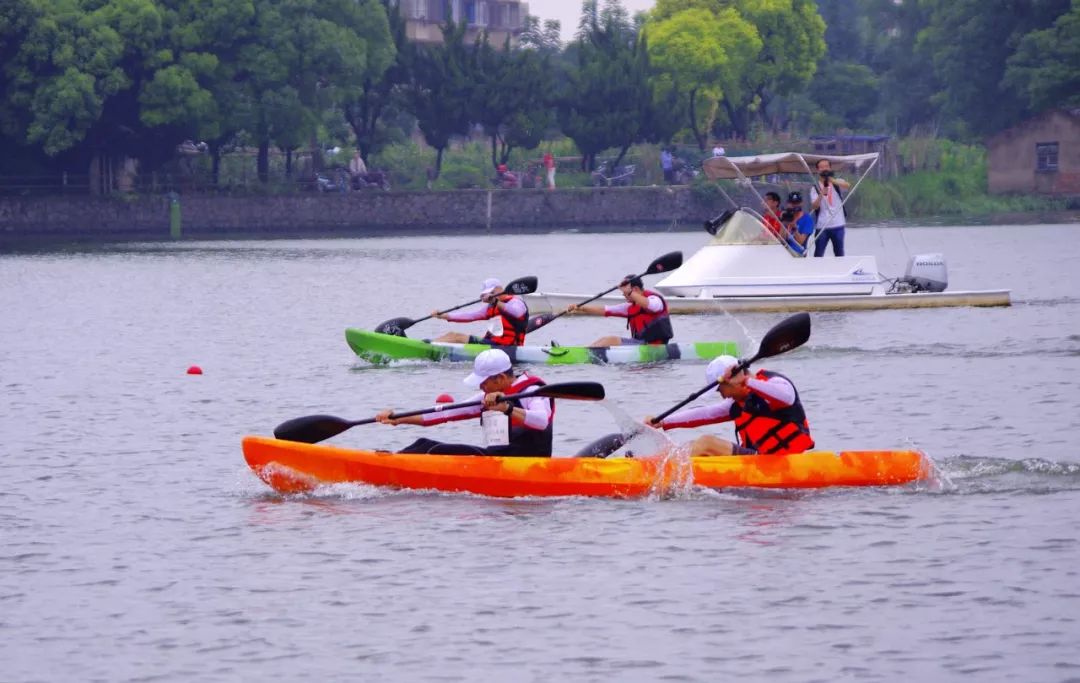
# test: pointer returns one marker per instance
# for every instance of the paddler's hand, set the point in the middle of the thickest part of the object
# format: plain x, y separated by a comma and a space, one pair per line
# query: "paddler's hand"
437, 314
651, 422
384, 418
492, 399
572, 308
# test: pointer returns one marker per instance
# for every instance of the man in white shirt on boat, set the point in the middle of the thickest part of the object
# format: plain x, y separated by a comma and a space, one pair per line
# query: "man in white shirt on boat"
827, 201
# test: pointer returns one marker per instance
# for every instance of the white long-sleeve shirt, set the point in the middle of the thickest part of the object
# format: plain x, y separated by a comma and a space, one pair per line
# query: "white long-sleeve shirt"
777, 391
623, 310
538, 412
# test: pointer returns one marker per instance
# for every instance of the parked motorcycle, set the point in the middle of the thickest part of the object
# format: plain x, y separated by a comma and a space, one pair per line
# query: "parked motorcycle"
683, 173
373, 179
332, 180
605, 176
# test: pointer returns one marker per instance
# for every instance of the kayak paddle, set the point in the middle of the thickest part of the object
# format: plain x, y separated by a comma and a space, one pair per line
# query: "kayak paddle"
663, 264
790, 333
397, 326
316, 428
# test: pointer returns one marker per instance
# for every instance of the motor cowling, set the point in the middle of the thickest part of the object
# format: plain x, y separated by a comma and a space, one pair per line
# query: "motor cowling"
927, 273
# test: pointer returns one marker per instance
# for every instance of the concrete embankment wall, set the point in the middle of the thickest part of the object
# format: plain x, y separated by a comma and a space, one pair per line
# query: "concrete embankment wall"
355, 213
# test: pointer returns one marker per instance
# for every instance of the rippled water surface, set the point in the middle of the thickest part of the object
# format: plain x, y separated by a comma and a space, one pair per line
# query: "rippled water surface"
136, 545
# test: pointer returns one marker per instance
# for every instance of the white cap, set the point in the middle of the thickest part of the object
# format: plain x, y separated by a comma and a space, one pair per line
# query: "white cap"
488, 364
718, 367
490, 284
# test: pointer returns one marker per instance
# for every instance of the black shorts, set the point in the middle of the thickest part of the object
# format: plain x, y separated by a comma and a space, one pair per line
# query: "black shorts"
737, 449
481, 340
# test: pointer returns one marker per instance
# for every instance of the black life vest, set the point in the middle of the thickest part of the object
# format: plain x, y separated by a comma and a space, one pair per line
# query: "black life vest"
769, 430
513, 329
523, 440
651, 328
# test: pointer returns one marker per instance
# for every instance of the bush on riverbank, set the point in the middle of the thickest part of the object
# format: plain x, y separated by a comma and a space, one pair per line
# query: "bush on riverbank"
947, 179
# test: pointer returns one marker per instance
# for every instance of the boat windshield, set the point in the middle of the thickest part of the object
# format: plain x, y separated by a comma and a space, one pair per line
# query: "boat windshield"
744, 227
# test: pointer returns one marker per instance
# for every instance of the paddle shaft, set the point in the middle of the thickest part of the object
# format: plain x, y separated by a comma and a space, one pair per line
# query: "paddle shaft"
712, 385
316, 428
448, 310
522, 285
663, 263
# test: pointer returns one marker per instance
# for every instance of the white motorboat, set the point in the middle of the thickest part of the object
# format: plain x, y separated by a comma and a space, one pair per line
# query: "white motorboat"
748, 267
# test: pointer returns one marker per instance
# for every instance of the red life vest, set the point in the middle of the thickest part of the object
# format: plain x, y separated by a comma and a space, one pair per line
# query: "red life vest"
651, 328
525, 441
513, 329
768, 430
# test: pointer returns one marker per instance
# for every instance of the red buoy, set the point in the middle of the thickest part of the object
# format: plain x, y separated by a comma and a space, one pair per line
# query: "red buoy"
444, 398
194, 370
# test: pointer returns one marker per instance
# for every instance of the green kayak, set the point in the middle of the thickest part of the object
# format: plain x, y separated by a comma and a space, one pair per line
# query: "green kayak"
381, 348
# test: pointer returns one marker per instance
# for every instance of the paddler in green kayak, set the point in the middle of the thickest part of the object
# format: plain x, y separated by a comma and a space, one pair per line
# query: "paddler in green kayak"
768, 415
508, 312
512, 427
646, 314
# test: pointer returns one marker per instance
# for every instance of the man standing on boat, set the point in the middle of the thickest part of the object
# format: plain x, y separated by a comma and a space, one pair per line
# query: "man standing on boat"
768, 415
508, 312
799, 225
646, 314
512, 427
827, 201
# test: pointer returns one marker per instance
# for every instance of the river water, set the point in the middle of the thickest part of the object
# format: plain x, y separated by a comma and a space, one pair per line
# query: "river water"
135, 544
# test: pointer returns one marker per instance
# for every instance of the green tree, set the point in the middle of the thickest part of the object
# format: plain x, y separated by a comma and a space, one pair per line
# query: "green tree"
507, 87
704, 53
860, 87
969, 43
607, 93
1045, 69
366, 108
439, 91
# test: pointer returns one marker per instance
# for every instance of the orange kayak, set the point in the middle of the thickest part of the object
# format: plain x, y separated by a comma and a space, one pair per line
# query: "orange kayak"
292, 467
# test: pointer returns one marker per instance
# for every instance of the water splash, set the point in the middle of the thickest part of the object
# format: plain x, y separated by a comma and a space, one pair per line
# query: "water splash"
642, 439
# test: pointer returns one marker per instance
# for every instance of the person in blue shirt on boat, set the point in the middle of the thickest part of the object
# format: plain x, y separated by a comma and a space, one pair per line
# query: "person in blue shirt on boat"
521, 427
799, 224
768, 415
646, 314
508, 312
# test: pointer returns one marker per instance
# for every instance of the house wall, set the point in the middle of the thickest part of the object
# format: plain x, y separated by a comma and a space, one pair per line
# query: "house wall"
1012, 159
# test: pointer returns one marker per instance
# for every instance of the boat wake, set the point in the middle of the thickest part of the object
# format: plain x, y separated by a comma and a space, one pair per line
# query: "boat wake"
969, 475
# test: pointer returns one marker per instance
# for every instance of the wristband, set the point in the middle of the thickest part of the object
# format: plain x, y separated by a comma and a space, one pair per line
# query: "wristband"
509, 410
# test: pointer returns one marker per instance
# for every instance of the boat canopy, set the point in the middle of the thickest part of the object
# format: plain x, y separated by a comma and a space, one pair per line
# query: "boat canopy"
726, 168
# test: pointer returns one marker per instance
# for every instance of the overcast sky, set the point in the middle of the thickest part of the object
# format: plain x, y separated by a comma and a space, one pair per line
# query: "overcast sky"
569, 11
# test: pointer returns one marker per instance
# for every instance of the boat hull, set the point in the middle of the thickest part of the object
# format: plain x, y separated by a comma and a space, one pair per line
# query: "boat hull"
548, 302
290, 467
380, 348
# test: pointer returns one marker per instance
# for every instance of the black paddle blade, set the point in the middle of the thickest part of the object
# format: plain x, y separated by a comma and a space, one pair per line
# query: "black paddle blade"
395, 326
580, 391
311, 428
538, 321
523, 285
787, 334
665, 264
604, 446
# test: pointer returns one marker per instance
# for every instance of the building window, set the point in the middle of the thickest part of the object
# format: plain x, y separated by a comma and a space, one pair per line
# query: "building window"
1046, 156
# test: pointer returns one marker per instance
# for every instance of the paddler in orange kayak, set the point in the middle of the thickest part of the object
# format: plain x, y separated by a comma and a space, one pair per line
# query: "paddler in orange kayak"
512, 427
509, 312
768, 415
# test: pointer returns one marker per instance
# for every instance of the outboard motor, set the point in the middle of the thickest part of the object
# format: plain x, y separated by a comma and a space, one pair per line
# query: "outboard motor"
926, 273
